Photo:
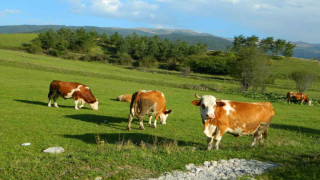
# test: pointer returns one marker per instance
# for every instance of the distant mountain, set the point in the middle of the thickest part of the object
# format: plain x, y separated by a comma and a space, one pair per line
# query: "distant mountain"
307, 51
191, 37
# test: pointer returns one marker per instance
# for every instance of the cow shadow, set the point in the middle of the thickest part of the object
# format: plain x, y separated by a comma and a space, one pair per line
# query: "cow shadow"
296, 128
40, 103
135, 138
109, 121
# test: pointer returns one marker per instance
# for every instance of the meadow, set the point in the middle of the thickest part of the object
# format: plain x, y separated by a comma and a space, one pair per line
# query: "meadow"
96, 143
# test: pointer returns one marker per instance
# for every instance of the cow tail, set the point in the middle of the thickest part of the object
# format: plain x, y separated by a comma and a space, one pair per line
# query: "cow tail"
133, 99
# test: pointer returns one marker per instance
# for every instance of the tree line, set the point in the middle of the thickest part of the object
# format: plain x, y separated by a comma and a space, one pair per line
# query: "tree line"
268, 45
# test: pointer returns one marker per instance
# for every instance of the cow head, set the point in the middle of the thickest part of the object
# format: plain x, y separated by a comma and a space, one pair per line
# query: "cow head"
94, 105
207, 105
164, 116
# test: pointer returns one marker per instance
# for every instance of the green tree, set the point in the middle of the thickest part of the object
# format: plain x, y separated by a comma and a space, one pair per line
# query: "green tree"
267, 44
251, 41
238, 42
278, 47
288, 49
250, 67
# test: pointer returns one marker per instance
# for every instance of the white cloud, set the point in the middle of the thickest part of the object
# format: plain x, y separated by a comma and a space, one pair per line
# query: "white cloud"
6, 12
109, 7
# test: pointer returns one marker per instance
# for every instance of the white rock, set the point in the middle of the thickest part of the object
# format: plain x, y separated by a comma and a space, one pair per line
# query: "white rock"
26, 144
54, 150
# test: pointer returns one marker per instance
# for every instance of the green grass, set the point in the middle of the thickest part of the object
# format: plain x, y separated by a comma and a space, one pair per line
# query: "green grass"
15, 41
294, 136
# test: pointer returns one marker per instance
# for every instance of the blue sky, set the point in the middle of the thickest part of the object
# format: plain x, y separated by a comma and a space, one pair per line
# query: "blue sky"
292, 20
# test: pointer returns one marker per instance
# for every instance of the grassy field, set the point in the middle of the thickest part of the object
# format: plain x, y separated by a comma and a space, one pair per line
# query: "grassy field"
96, 142
15, 41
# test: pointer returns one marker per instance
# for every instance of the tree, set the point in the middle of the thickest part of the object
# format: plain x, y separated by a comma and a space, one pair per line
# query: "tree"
251, 41
303, 79
250, 67
238, 42
267, 44
278, 47
288, 49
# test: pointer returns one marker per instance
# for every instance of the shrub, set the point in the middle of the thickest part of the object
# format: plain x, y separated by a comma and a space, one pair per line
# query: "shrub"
124, 59
147, 61
209, 65
185, 71
303, 79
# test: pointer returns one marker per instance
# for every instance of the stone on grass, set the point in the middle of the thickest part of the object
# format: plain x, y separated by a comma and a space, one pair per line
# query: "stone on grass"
54, 150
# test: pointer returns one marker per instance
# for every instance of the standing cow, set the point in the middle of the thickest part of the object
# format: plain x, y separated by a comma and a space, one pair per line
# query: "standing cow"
236, 118
291, 96
148, 103
79, 92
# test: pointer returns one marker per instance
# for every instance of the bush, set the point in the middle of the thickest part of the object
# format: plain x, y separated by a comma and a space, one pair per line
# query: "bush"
55, 52
185, 71
124, 59
148, 61
209, 65
34, 47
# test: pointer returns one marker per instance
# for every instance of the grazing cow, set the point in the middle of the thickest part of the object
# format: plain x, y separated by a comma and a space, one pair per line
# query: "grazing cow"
125, 98
236, 118
291, 96
79, 92
150, 103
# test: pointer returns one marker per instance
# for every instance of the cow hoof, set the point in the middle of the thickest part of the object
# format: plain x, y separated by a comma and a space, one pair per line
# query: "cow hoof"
154, 126
128, 129
142, 128
149, 124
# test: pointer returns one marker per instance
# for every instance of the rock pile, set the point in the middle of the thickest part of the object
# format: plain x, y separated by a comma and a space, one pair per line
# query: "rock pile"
223, 169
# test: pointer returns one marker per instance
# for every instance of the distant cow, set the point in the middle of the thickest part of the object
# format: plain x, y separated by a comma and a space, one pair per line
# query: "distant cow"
79, 92
148, 103
236, 118
125, 98
300, 97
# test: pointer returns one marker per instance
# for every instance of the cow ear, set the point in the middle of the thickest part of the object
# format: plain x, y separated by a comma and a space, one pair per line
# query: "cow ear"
168, 112
220, 103
196, 102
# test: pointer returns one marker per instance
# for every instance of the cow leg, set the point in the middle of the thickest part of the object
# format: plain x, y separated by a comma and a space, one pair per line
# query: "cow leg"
263, 129
218, 136
76, 104
129, 120
150, 119
155, 120
82, 104
50, 95
141, 123
55, 97
210, 143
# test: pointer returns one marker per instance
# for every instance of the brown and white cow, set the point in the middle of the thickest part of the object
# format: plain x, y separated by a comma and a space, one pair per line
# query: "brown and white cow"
125, 98
236, 118
79, 92
148, 103
300, 97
